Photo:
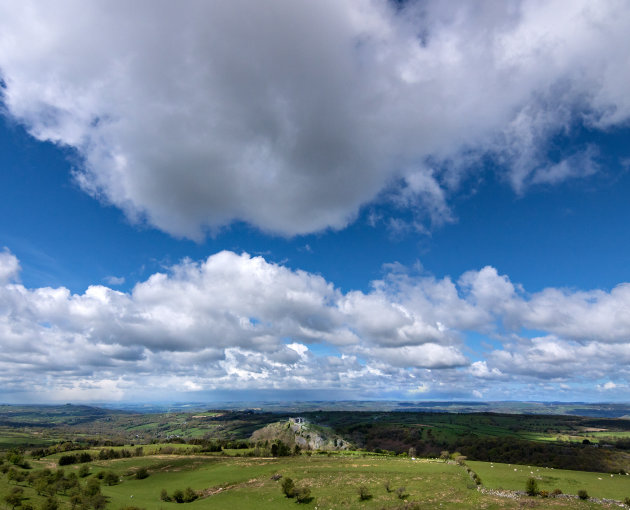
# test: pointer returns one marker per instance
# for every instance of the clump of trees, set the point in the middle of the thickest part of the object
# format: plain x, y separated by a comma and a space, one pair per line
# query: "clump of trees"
16, 458
188, 495
82, 458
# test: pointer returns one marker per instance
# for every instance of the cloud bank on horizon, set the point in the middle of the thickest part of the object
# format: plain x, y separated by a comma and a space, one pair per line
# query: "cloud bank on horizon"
238, 323
290, 116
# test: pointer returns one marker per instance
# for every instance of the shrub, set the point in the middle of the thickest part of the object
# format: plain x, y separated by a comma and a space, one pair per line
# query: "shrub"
142, 473
178, 496
626, 501
303, 494
364, 493
556, 492
84, 471
401, 492
110, 478
582, 494
544, 494
531, 487
288, 487
50, 504
164, 496
15, 497
92, 487
190, 495
388, 486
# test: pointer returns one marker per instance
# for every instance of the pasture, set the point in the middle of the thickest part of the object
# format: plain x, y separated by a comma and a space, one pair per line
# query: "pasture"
242, 482
514, 476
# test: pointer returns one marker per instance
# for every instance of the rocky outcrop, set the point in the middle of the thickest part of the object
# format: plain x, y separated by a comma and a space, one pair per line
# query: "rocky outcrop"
298, 431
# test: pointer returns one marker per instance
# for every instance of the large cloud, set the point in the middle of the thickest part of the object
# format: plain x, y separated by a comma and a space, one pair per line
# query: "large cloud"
291, 115
239, 322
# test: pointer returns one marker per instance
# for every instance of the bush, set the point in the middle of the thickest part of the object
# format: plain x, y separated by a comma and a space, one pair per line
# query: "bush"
544, 494
582, 494
50, 504
15, 497
364, 493
556, 492
303, 494
190, 495
531, 487
626, 501
178, 496
288, 487
401, 492
388, 486
164, 496
142, 473
110, 478
84, 471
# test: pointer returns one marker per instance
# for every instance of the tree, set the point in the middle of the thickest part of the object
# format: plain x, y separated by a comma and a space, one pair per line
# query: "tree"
93, 487
15, 497
84, 457
50, 504
288, 487
110, 478
531, 487
66, 460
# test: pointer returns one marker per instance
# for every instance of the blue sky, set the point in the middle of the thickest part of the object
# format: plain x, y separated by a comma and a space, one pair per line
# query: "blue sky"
325, 202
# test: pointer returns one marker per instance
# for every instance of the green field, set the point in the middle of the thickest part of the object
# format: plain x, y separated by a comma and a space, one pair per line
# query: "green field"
244, 483
514, 476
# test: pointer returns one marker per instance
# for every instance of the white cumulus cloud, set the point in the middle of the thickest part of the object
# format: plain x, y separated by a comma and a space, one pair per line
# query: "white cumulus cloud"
290, 115
237, 322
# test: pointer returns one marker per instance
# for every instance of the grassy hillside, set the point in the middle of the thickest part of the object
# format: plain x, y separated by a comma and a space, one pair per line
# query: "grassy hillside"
333, 479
